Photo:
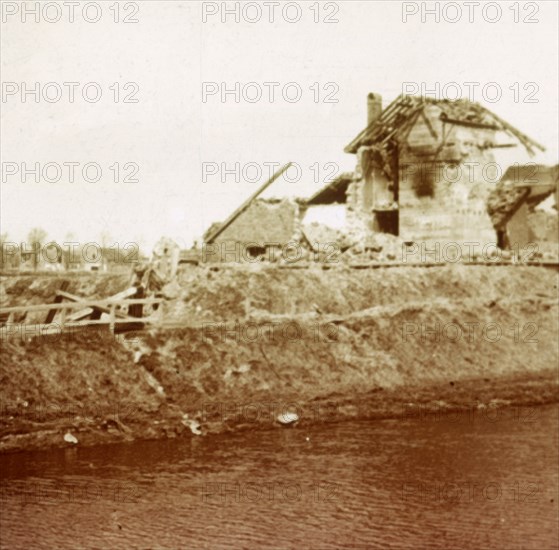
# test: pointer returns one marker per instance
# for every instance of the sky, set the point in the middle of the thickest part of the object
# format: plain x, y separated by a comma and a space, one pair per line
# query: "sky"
166, 158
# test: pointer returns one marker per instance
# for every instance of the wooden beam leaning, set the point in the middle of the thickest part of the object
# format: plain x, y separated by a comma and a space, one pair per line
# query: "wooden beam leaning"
245, 205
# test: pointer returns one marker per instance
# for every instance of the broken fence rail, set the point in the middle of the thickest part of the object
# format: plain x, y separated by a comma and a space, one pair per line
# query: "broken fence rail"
115, 317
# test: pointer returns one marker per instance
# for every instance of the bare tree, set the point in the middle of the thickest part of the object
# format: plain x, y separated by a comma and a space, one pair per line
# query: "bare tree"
3, 258
35, 239
69, 254
106, 241
106, 238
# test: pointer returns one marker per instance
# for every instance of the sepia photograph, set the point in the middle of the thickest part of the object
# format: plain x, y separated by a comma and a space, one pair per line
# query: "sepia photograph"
279, 275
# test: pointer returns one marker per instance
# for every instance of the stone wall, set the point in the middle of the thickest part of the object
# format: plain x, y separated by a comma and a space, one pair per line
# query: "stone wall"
441, 200
445, 200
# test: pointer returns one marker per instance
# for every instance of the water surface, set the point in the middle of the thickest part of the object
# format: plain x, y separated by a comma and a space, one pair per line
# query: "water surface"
464, 481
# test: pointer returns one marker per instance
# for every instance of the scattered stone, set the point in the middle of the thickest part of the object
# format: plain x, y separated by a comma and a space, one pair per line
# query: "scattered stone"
69, 438
192, 424
287, 418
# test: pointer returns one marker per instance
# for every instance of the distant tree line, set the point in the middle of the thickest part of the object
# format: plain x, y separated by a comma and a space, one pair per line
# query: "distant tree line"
37, 253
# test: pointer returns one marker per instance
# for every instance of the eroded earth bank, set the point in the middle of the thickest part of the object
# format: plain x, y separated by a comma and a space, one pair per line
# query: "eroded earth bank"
242, 346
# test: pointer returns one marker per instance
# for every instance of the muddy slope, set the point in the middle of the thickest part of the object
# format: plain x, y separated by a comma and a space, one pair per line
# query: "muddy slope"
237, 293
330, 345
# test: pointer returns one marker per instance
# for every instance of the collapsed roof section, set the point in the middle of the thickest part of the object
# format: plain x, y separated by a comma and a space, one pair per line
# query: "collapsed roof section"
333, 192
531, 183
531, 175
397, 120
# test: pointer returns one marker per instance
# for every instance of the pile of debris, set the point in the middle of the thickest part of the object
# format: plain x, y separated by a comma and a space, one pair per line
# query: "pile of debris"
377, 247
503, 200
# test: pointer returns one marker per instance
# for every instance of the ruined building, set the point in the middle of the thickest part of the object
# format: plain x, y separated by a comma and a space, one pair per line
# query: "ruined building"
262, 229
425, 172
523, 208
426, 167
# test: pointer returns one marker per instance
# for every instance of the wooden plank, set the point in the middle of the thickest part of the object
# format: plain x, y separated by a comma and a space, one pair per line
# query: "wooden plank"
82, 314
469, 123
387, 114
523, 138
129, 292
94, 311
137, 310
432, 130
119, 296
57, 300
41, 329
77, 305
68, 296
409, 113
112, 319
63, 318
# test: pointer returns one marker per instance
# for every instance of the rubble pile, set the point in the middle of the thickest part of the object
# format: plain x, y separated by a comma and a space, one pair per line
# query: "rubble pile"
377, 247
502, 200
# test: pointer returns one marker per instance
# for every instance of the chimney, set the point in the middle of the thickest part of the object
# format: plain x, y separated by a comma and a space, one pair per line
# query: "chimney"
374, 107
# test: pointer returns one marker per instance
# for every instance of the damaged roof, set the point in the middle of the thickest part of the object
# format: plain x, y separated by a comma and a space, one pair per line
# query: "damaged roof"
531, 175
399, 117
333, 192
531, 183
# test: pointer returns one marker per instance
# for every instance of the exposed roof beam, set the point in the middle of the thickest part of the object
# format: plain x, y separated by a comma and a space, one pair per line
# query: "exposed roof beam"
245, 205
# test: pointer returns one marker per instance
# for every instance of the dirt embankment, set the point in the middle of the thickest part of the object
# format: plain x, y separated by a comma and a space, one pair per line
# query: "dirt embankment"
326, 344
240, 292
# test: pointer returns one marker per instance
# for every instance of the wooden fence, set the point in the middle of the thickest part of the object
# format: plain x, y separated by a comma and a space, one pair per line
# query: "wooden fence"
115, 320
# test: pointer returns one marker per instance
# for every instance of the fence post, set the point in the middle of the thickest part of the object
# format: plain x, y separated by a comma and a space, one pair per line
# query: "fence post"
112, 318
62, 319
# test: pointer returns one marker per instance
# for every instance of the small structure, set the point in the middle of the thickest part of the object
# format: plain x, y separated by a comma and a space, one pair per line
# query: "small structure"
266, 224
523, 208
255, 228
424, 169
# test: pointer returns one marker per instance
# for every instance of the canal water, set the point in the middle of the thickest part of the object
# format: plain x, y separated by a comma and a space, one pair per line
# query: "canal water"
466, 480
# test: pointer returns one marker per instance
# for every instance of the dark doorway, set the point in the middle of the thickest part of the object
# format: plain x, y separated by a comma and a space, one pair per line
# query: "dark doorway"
387, 221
